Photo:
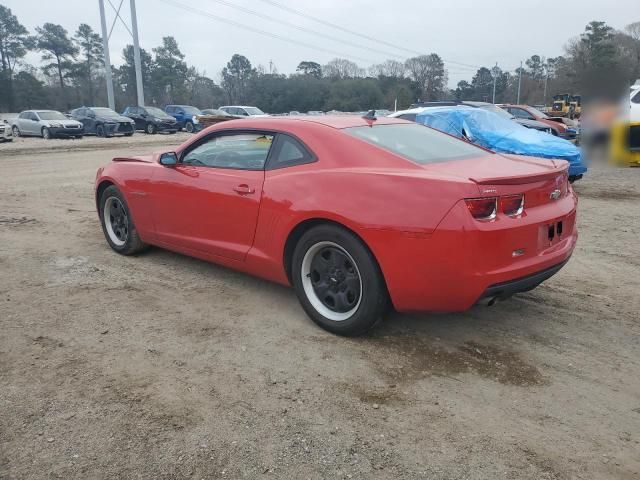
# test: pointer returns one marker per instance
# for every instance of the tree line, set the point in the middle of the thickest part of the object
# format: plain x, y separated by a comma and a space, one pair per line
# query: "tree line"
72, 74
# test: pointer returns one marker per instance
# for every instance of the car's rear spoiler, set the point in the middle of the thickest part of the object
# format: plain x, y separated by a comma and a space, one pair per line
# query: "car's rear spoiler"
520, 179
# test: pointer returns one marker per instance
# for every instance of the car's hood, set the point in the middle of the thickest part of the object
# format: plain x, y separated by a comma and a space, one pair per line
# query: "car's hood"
151, 158
118, 118
64, 123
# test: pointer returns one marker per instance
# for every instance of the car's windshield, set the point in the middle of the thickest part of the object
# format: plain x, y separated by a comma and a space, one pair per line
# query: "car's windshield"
253, 111
51, 115
156, 112
105, 112
537, 112
192, 111
498, 110
416, 142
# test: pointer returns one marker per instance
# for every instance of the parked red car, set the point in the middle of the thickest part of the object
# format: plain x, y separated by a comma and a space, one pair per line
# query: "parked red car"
531, 113
353, 212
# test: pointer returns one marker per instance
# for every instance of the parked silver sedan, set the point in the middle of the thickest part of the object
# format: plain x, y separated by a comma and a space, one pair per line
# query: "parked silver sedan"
46, 124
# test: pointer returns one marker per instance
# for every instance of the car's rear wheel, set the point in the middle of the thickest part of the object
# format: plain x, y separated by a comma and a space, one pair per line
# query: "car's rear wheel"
151, 128
338, 281
189, 127
16, 131
117, 223
46, 134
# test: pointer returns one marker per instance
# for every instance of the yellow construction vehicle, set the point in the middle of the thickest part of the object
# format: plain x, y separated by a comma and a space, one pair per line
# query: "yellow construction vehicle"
625, 144
566, 105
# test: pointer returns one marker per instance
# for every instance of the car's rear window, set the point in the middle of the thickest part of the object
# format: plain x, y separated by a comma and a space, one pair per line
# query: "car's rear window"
416, 142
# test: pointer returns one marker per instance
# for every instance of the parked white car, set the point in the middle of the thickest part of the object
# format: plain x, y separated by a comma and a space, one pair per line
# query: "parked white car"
634, 100
6, 134
243, 111
46, 124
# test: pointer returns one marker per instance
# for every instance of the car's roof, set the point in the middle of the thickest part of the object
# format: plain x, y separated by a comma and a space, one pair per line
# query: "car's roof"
238, 106
334, 121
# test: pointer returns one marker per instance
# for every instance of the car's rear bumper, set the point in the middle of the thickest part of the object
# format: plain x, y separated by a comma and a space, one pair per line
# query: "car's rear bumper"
523, 284
452, 268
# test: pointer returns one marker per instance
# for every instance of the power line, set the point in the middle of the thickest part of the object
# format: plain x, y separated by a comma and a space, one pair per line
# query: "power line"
303, 29
358, 34
262, 32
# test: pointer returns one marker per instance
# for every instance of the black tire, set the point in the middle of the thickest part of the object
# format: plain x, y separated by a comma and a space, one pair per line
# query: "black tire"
151, 129
370, 302
46, 133
172, 131
130, 134
16, 131
130, 239
100, 131
79, 137
188, 126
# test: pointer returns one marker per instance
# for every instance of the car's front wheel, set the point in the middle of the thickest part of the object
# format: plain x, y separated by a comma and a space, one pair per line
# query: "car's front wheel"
117, 223
338, 281
189, 127
46, 133
100, 131
16, 131
151, 128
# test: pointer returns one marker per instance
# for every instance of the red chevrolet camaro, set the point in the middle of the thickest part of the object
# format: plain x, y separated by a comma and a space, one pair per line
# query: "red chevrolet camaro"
355, 213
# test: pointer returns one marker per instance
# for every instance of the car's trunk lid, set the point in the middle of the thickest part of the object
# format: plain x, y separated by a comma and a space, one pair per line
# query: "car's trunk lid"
540, 180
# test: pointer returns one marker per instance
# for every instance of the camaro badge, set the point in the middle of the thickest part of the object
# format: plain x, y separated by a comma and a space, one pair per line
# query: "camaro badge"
555, 195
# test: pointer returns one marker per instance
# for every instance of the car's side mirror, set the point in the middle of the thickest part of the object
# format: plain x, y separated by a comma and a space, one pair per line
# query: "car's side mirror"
169, 159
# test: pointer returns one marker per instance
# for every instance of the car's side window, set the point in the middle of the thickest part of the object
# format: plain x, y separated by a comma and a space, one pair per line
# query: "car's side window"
520, 113
240, 151
32, 116
288, 152
23, 115
636, 98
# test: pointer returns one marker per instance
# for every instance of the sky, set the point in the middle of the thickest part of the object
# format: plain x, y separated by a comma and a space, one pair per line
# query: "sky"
465, 33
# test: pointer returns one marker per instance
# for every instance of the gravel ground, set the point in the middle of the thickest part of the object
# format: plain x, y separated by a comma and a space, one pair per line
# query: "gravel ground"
162, 366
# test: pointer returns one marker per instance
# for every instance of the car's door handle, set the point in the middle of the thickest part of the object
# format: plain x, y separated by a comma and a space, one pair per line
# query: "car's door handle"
244, 189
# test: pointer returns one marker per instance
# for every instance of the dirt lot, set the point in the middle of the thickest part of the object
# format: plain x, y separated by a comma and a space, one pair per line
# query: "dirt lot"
161, 366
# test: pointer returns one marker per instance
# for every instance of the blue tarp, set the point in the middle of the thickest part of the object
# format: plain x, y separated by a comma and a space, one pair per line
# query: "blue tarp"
497, 133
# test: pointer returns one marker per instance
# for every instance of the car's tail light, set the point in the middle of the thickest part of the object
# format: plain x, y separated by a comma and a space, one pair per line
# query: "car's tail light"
512, 205
483, 209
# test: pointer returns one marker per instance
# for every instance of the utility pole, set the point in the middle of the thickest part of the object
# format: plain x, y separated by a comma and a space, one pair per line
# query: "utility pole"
546, 79
136, 54
519, 83
495, 76
107, 61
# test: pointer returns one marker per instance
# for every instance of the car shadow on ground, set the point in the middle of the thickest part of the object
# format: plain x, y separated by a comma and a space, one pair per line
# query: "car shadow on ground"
490, 342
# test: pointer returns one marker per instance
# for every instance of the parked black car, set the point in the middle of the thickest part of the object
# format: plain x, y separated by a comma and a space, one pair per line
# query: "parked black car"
104, 122
151, 119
